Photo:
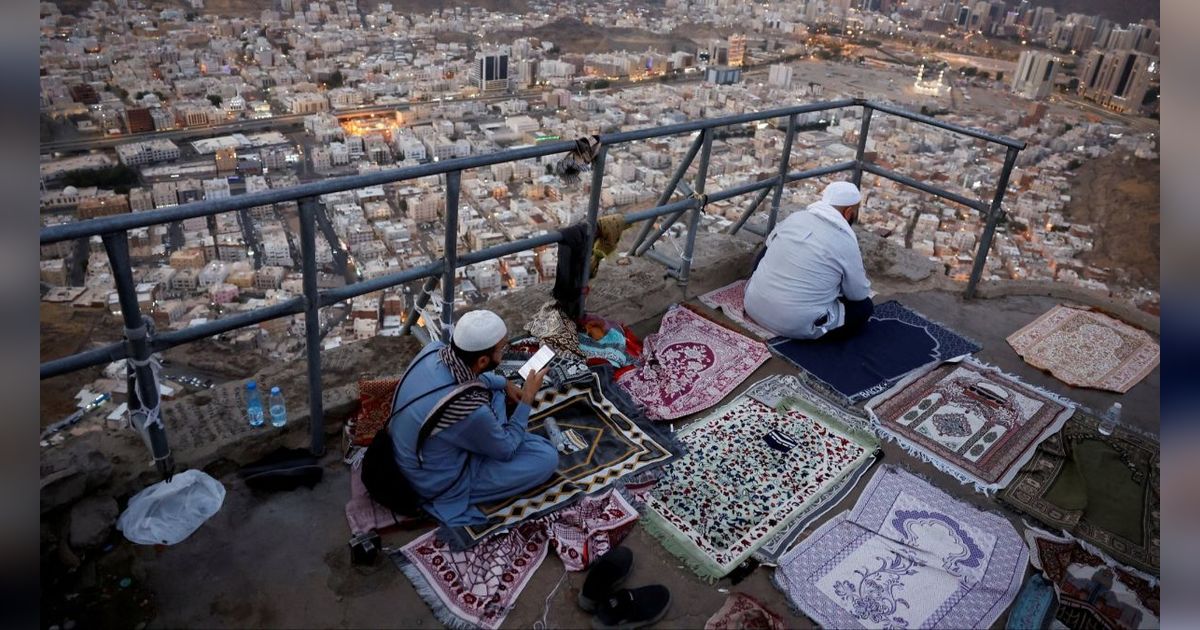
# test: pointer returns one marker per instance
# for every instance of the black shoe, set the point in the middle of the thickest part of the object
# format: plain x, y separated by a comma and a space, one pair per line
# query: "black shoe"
607, 573
633, 608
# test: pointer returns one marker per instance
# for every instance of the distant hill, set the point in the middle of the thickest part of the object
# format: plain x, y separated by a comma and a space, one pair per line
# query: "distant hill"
1122, 11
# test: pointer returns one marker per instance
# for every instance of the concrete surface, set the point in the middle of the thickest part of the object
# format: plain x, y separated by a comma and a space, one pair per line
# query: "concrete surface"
282, 560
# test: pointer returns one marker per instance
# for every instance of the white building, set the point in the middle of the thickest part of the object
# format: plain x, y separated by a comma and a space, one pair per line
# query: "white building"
147, 152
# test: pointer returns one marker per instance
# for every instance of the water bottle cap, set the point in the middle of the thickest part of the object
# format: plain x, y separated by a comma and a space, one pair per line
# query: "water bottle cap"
251, 385
275, 390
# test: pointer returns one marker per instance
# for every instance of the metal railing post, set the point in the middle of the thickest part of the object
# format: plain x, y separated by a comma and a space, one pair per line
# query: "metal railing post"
685, 267
450, 253
312, 324
784, 164
419, 303
680, 170
592, 214
862, 144
137, 339
989, 229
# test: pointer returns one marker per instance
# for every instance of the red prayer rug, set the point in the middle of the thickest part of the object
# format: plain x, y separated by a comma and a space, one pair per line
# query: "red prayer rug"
476, 588
690, 365
731, 301
744, 612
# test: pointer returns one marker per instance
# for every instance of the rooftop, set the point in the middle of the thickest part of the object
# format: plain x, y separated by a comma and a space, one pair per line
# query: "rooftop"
281, 560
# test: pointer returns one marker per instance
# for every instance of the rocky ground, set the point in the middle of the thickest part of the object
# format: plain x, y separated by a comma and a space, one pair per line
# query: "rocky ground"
1119, 196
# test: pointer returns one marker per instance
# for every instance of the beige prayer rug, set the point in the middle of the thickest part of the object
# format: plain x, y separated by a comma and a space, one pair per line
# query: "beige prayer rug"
1084, 348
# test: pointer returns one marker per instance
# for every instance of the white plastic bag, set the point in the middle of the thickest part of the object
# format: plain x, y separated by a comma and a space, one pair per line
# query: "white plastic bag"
166, 513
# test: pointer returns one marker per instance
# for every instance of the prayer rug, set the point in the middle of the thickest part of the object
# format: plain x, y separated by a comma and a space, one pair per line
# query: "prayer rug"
969, 420
749, 474
895, 341
616, 450
1103, 490
476, 588
1084, 348
374, 409
731, 301
590, 528
690, 364
744, 612
1035, 605
907, 556
364, 515
1093, 592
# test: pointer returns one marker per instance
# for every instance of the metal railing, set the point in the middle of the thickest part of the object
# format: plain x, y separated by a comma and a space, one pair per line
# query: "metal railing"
139, 344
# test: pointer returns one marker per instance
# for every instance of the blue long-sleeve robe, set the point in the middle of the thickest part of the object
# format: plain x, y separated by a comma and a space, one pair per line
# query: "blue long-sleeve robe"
487, 456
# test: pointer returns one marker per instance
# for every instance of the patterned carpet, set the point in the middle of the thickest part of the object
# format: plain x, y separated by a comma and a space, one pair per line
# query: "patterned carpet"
896, 341
751, 473
1101, 489
731, 301
1084, 348
970, 420
1092, 592
907, 556
604, 447
690, 365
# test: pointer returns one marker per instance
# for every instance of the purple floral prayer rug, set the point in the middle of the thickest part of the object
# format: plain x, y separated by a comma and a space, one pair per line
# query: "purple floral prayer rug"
907, 556
690, 364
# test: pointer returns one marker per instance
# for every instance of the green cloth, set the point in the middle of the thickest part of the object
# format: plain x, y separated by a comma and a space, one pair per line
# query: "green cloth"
1101, 489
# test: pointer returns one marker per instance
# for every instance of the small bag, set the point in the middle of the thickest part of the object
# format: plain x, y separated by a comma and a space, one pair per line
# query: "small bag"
383, 479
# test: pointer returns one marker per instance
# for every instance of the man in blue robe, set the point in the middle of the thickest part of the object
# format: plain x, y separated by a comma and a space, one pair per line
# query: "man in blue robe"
455, 438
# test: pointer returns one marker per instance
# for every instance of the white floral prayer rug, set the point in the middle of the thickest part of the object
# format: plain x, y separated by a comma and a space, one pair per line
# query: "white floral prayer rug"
907, 556
753, 471
1084, 348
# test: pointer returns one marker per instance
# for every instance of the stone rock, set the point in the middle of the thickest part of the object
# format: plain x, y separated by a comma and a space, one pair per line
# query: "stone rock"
92, 519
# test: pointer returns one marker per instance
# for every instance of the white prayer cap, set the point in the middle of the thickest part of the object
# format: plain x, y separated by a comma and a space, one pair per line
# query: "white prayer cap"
841, 194
479, 330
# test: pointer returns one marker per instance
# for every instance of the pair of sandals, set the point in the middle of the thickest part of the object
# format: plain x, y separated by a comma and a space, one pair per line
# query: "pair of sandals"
615, 608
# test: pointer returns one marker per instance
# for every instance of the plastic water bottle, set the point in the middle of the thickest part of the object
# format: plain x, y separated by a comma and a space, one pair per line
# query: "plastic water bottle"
278, 410
254, 408
554, 433
1108, 423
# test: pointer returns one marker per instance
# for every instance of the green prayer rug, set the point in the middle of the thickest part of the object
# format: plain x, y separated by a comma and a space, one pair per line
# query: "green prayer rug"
1103, 490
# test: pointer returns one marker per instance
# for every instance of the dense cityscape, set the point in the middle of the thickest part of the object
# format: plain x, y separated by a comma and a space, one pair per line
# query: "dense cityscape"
150, 105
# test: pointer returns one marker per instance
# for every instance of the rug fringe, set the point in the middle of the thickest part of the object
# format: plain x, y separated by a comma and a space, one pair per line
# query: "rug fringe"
654, 525
429, 594
1065, 536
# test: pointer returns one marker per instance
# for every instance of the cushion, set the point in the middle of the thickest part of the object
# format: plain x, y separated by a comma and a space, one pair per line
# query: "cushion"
374, 408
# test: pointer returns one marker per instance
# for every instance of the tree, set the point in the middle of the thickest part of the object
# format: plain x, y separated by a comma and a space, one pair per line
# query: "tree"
215, 99
985, 75
999, 75
970, 71
336, 79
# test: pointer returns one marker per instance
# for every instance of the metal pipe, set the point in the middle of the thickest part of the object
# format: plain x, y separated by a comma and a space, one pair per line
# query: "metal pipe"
593, 214
330, 297
206, 207
994, 212
653, 213
672, 264
662, 228
694, 225
670, 189
450, 253
137, 338
225, 324
426, 292
966, 131
784, 165
124, 222
819, 172
933, 190
312, 324
749, 211
862, 145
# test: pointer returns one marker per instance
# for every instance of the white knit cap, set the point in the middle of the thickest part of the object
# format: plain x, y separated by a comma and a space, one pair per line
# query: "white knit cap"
479, 330
841, 194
